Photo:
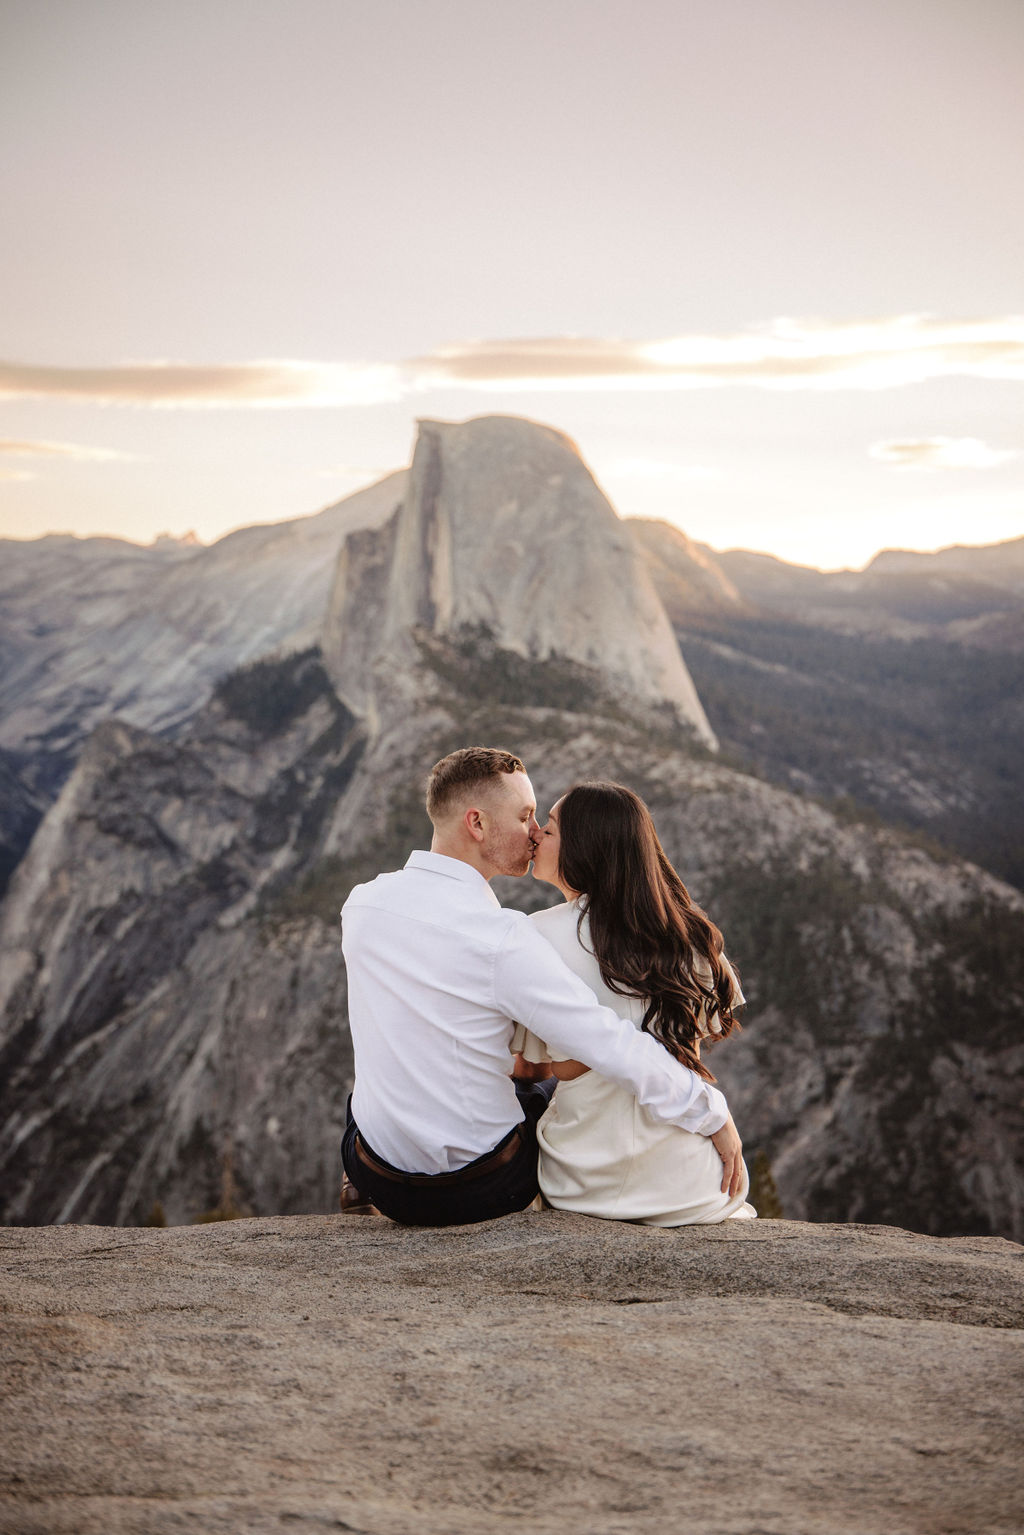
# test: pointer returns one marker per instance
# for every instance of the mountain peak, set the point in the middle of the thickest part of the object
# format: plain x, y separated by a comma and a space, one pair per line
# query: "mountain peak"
498, 429
189, 540
504, 531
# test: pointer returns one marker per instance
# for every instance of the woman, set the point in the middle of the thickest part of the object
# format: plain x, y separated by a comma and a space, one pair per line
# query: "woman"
630, 930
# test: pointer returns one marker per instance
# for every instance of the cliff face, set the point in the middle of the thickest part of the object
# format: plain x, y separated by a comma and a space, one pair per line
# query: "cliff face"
796, 666
145, 1010
174, 991
95, 627
503, 533
171, 981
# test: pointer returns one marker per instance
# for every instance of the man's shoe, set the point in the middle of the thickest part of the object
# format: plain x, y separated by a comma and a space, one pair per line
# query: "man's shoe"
353, 1202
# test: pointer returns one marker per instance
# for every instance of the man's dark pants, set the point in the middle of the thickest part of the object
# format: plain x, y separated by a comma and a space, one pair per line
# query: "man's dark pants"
474, 1193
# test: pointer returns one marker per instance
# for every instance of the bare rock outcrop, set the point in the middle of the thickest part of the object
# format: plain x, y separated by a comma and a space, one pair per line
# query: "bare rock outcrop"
173, 987
546, 1373
503, 534
96, 627
143, 1005
171, 983
687, 576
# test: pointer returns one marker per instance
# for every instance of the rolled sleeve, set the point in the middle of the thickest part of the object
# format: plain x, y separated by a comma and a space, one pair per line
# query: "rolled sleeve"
533, 985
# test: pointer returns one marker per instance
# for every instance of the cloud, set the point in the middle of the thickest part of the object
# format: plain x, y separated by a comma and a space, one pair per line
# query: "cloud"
940, 453
782, 354
228, 385
16, 474
25, 448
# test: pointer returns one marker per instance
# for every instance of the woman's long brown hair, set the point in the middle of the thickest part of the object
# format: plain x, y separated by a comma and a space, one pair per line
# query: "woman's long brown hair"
648, 936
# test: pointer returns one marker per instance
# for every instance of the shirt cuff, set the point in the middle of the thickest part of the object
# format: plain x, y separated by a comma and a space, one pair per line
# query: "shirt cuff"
717, 1112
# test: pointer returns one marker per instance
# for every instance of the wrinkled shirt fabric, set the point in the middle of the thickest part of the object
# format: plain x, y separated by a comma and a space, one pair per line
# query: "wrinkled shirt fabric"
437, 972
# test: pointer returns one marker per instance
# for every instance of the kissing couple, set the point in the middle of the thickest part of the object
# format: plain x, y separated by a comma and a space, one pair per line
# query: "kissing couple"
603, 1002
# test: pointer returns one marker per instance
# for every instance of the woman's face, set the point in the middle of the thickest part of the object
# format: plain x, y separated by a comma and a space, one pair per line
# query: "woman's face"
545, 859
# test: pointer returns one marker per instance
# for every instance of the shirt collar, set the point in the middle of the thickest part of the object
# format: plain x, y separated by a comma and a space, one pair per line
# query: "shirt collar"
451, 868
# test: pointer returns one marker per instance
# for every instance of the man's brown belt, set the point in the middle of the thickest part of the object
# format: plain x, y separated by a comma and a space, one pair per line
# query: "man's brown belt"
503, 1153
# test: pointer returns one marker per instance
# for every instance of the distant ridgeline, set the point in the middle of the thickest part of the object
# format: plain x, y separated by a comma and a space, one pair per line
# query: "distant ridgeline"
896, 693
173, 994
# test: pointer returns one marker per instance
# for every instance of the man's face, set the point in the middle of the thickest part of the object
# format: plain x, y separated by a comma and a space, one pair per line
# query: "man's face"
510, 823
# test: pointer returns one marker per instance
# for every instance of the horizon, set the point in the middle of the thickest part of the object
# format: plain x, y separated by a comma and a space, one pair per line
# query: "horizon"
760, 263
190, 537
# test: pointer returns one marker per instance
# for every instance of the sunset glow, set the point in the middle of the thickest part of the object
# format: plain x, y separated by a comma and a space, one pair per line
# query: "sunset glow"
772, 288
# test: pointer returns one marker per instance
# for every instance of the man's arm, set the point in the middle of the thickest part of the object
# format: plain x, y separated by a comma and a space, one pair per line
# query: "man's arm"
535, 987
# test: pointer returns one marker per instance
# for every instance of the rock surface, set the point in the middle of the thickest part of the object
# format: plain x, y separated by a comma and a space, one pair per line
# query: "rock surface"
545, 1373
157, 1009
173, 992
687, 576
95, 627
503, 533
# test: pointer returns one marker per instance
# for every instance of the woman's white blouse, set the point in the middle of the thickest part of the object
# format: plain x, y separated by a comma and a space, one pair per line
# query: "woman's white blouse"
600, 1152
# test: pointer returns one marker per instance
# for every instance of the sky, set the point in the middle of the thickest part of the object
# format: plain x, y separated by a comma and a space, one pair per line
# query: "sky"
763, 260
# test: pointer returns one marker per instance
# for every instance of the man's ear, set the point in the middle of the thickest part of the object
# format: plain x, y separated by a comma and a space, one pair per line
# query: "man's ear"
473, 821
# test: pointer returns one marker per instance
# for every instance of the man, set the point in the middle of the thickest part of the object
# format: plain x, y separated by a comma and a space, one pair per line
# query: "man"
438, 1133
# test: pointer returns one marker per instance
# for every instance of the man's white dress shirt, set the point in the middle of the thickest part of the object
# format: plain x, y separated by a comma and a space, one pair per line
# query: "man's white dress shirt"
437, 972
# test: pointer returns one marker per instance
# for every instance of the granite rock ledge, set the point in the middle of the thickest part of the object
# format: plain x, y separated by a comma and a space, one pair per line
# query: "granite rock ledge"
545, 1373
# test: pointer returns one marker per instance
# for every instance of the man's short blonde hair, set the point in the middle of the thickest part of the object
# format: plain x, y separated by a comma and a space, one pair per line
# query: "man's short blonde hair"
471, 768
